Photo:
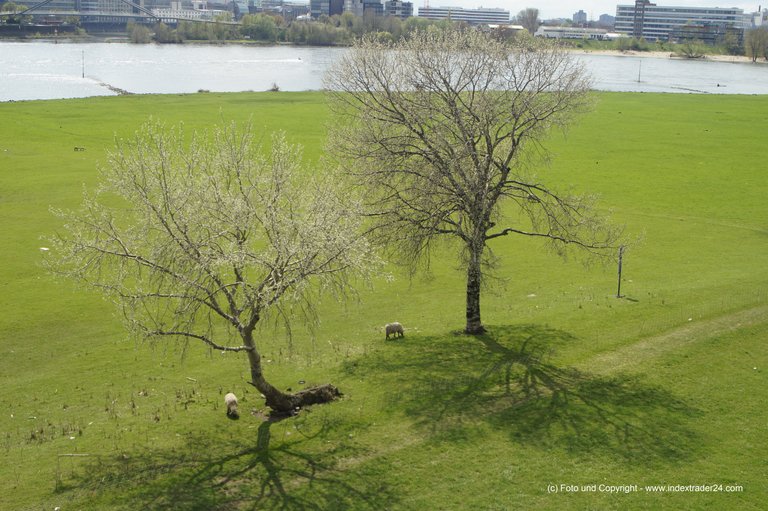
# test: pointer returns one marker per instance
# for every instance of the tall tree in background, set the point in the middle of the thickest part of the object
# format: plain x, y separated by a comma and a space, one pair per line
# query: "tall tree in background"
756, 43
441, 132
207, 241
529, 19
259, 27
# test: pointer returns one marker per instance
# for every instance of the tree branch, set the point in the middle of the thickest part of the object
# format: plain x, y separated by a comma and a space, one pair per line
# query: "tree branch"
199, 337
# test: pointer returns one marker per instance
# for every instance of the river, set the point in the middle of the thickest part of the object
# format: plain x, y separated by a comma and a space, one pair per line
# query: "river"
43, 70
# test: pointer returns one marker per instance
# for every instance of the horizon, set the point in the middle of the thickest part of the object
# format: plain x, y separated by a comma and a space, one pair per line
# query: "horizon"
561, 9
556, 9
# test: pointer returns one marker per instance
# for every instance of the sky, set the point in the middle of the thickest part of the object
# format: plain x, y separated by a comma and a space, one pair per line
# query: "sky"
594, 8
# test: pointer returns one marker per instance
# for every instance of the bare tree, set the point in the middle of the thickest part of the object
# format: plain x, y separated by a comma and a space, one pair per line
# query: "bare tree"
529, 19
205, 241
441, 132
756, 43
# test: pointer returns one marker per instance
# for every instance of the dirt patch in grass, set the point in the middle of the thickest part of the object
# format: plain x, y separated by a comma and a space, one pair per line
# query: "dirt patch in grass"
628, 357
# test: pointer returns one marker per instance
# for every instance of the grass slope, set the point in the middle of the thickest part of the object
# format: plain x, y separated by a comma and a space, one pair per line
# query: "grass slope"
571, 385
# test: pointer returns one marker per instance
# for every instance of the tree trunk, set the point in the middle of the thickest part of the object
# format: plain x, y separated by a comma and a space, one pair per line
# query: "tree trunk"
282, 402
474, 280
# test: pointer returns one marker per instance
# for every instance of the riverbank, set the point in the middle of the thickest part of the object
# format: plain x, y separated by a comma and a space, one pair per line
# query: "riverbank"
738, 59
121, 38
67, 39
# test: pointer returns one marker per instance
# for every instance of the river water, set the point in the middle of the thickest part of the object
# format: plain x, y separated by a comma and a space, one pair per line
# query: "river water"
43, 70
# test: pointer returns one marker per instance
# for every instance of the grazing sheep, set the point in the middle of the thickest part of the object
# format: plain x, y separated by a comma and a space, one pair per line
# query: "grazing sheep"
395, 329
231, 402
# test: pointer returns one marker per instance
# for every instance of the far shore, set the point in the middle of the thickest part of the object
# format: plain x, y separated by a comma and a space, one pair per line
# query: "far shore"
741, 59
121, 39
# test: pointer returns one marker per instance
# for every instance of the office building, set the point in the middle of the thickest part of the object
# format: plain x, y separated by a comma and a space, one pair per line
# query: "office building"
472, 16
398, 9
364, 7
580, 18
606, 20
662, 23
327, 7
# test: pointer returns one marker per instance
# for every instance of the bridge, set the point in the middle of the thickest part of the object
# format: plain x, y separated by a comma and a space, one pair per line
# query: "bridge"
137, 13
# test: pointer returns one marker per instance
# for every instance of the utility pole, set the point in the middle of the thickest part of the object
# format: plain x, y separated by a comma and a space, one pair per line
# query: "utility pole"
621, 257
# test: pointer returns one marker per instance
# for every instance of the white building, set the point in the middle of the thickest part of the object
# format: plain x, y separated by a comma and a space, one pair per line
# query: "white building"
598, 34
753, 20
479, 16
654, 22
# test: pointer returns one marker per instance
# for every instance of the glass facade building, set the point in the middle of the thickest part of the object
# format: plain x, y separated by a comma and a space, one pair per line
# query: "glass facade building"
654, 22
398, 9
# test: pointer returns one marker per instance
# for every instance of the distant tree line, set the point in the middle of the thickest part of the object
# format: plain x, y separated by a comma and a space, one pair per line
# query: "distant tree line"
690, 48
12, 7
334, 30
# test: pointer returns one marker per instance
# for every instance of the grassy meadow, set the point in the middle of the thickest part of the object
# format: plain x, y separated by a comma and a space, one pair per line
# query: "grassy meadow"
666, 386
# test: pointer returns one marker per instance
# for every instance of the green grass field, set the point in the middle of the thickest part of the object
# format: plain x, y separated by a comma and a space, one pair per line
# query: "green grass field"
664, 387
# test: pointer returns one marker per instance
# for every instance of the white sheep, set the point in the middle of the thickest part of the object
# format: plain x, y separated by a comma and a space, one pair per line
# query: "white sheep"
395, 329
231, 401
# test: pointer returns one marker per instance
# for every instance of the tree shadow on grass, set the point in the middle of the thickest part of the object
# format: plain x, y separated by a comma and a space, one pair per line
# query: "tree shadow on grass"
504, 379
234, 475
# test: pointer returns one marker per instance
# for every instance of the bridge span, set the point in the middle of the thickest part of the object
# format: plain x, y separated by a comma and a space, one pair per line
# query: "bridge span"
137, 13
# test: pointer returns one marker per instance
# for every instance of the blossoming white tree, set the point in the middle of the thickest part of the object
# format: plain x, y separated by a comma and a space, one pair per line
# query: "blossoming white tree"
204, 240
